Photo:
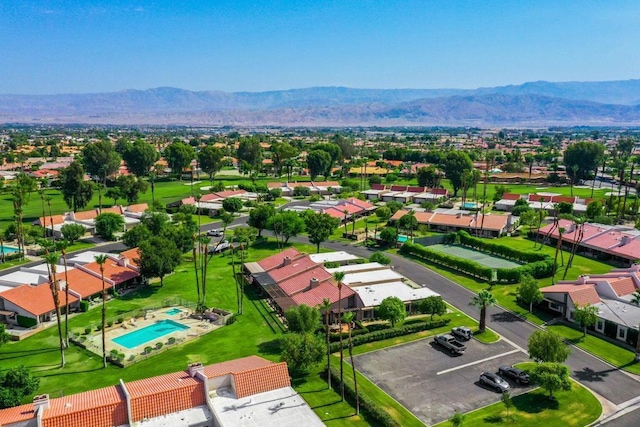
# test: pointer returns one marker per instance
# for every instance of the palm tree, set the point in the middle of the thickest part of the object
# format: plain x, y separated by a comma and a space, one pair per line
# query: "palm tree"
346, 213
63, 250
1, 246
483, 300
348, 319
101, 260
338, 276
555, 259
326, 307
52, 260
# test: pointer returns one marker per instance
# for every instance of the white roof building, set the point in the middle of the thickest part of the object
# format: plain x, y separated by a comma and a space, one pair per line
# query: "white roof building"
339, 256
373, 295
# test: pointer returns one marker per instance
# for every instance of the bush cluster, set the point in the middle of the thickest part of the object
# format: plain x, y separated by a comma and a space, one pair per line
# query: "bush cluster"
26, 322
460, 264
367, 405
392, 333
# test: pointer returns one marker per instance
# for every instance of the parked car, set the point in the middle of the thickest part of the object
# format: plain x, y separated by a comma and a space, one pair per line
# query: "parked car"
494, 381
219, 247
462, 332
518, 375
450, 343
216, 232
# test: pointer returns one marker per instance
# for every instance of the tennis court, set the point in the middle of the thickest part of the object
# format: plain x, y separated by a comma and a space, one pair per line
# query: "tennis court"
479, 257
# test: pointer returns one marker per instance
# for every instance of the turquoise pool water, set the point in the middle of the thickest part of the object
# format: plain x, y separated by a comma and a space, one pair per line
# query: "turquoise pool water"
468, 205
402, 239
149, 333
173, 311
9, 250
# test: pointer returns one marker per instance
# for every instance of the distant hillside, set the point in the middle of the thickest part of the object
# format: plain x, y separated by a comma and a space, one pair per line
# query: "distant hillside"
536, 103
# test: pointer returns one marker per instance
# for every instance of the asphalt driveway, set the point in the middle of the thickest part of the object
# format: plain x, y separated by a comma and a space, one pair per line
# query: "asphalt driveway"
431, 383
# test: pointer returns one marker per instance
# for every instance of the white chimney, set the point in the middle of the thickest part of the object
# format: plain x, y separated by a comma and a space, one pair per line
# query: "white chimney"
123, 261
41, 401
582, 280
313, 282
625, 239
286, 261
195, 368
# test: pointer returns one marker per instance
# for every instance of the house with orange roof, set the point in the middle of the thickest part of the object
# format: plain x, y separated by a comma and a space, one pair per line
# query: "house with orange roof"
35, 302
613, 294
449, 221
199, 396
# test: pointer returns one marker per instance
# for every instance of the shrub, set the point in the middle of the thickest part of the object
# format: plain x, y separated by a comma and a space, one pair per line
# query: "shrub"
315, 198
87, 331
171, 340
133, 356
300, 191
99, 327
158, 345
231, 320
26, 322
120, 319
380, 258
148, 349
110, 323
331, 264
84, 306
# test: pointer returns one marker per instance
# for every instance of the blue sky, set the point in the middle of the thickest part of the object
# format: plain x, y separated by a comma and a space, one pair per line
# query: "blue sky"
49, 47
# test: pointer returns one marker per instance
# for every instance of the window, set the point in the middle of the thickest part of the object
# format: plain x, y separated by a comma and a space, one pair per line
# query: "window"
600, 325
622, 333
555, 307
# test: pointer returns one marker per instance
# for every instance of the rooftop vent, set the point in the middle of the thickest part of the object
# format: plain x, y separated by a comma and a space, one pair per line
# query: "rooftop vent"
286, 260
195, 368
41, 401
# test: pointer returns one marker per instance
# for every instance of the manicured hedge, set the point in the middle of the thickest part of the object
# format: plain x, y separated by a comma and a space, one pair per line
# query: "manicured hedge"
461, 264
84, 305
392, 333
367, 405
26, 322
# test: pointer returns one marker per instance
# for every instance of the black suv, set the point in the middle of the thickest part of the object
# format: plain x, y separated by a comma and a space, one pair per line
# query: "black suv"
518, 375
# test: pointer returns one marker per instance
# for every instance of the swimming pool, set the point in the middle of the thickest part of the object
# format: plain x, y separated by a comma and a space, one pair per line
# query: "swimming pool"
402, 238
9, 250
469, 205
149, 333
173, 311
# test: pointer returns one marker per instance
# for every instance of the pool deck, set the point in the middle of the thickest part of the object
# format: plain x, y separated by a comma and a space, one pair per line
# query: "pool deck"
196, 329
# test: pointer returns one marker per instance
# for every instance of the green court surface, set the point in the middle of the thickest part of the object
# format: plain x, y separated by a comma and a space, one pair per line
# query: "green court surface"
479, 257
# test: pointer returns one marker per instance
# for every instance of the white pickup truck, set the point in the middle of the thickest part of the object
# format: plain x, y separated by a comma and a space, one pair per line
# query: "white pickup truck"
450, 343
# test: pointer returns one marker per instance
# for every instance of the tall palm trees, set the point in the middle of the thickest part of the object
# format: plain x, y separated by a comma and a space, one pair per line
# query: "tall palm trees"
63, 250
326, 307
101, 260
483, 300
338, 276
555, 259
52, 260
348, 319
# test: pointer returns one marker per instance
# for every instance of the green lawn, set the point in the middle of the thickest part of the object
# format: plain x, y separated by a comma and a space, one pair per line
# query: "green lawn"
614, 354
577, 407
13, 263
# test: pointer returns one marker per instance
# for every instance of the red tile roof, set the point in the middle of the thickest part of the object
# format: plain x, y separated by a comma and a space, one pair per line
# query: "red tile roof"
112, 271
314, 297
336, 213
326, 183
302, 281
210, 197
230, 193
37, 300
262, 379
398, 188
46, 221
579, 294
114, 209
85, 284
378, 187
623, 286
559, 199
297, 266
139, 208
416, 189
362, 204
511, 196
188, 201
131, 255
236, 365
85, 215
630, 251
277, 259
491, 222
102, 407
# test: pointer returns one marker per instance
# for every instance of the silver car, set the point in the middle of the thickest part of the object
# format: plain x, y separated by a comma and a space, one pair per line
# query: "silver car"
494, 381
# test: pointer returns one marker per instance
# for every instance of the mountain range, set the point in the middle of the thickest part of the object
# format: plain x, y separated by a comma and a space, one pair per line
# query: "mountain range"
612, 103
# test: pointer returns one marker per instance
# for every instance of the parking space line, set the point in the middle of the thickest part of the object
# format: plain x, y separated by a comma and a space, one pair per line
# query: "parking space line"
466, 365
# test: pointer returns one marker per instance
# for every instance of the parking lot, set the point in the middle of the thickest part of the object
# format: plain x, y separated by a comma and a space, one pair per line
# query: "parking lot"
432, 383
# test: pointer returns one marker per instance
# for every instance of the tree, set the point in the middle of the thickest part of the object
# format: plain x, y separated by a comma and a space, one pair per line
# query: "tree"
302, 319
244, 236
76, 192
551, 377
409, 222
528, 291
4, 336
594, 209
507, 402
286, 224
72, 232
232, 204
100, 161
138, 234
113, 193
455, 165
52, 261
428, 177
301, 351
456, 419
158, 257
384, 213
389, 236
483, 300
586, 155
326, 308
210, 160
348, 319
433, 305
585, 315
101, 260
547, 346
140, 157
281, 153
156, 222
107, 224
250, 151
130, 187
338, 277
334, 151
318, 162
259, 216
179, 156
15, 384
380, 258
320, 226
393, 310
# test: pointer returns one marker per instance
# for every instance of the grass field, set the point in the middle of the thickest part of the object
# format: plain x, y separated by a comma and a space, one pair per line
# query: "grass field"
477, 256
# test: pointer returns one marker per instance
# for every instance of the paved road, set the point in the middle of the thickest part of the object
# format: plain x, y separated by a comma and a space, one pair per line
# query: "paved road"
631, 419
609, 382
